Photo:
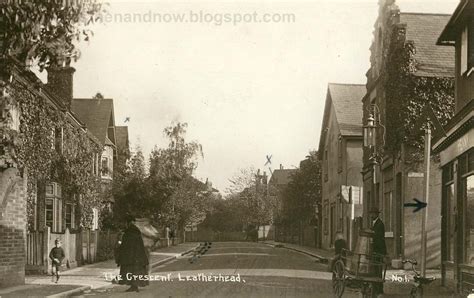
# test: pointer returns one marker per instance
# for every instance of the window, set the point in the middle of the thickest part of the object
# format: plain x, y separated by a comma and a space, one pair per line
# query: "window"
49, 212
95, 219
466, 174
387, 211
105, 166
53, 207
467, 49
326, 165
70, 214
326, 216
58, 140
339, 154
468, 195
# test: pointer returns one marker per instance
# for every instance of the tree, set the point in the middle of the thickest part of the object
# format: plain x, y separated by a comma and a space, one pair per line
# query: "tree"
131, 190
45, 31
302, 194
249, 189
171, 180
225, 215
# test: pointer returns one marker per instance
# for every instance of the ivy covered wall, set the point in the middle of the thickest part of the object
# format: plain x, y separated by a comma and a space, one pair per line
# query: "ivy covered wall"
52, 147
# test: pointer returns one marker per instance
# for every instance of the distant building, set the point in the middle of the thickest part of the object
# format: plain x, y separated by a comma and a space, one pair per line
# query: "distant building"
340, 150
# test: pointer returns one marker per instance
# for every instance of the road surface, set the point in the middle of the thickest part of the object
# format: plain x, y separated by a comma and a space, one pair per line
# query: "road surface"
236, 269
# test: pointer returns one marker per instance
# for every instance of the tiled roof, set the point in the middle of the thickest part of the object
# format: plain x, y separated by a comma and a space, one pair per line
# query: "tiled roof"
281, 176
121, 137
424, 30
95, 113
347, 102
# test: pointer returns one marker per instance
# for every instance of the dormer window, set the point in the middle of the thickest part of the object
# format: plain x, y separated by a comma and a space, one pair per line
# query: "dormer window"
467, 49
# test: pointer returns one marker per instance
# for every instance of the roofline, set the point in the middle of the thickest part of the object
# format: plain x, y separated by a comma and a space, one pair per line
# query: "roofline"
83, 98
345, 84
426, 13
443, 37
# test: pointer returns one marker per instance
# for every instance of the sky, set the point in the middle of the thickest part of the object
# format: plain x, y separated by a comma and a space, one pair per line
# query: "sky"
247, 88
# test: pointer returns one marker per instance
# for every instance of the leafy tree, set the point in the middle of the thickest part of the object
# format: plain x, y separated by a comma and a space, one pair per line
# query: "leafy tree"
172, 185
131, 190
251, 191
45, 31
302, 194
225, 215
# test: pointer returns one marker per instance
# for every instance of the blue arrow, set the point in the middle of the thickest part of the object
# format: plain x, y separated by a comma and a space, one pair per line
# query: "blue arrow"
419, 205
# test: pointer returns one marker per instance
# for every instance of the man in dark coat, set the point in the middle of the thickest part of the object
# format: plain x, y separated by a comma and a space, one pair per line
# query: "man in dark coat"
378, 247
132, 258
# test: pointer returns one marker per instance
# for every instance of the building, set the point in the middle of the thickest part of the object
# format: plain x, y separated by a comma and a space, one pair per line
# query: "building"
408, 72
98, 115
456, 151
340, 149
32, 201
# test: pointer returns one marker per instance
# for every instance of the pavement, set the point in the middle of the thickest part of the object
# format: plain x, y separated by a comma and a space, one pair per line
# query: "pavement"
397, 282
89, 277
223, 269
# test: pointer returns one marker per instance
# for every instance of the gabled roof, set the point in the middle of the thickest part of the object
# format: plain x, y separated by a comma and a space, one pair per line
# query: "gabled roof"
424, 29
282, 176
121, 137
347, 102
96, 114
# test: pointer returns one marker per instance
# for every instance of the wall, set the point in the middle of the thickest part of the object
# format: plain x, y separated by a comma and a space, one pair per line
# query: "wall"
12, 228
331, 185
413, 221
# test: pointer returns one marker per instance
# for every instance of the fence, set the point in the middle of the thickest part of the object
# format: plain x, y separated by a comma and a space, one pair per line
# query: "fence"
84, 247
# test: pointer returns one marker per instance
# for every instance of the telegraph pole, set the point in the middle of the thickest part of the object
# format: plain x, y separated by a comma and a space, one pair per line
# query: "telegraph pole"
426, 194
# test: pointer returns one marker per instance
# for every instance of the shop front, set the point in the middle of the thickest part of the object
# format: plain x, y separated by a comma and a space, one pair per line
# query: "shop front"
457, 253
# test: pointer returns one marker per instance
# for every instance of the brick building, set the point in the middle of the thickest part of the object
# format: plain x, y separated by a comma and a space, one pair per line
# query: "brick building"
407, 72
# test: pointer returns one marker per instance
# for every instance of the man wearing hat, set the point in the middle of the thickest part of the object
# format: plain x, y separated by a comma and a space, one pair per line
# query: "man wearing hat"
132, 256
378, 245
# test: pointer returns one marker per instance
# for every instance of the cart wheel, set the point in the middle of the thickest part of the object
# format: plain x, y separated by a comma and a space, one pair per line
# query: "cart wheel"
367, 290
338, 278
416, 292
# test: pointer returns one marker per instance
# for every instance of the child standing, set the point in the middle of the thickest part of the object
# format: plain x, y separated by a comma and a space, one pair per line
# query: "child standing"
56, 255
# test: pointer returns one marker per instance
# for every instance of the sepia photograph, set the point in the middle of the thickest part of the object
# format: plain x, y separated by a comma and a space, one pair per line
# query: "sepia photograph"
237, 148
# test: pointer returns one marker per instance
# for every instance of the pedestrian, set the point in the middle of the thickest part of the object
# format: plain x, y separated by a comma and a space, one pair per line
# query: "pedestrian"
119, 279
378, 247
339, 245
57, 256
133, 258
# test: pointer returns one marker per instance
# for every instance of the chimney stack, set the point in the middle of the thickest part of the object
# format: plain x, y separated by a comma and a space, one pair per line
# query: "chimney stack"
60, 82
281, 167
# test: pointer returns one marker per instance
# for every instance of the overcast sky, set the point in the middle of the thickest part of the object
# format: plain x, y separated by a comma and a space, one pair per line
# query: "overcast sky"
246, 88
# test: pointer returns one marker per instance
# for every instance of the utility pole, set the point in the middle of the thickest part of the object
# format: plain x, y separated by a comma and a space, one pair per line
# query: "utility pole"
426, 194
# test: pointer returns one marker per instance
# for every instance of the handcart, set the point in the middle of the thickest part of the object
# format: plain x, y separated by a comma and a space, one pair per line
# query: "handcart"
358, 270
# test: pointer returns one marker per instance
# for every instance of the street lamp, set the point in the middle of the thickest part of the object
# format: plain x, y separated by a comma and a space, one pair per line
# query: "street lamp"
369, 132
370, 142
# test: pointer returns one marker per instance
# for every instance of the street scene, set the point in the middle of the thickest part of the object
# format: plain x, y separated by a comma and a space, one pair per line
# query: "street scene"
313, 148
